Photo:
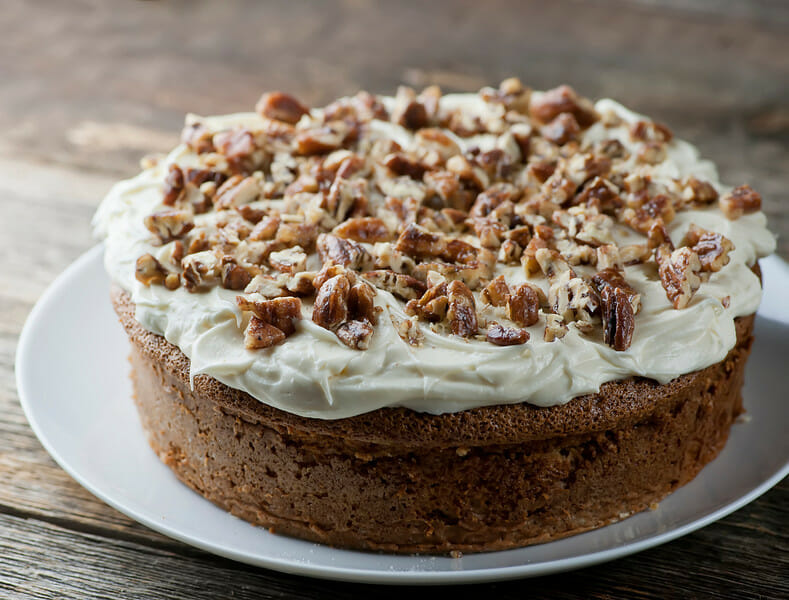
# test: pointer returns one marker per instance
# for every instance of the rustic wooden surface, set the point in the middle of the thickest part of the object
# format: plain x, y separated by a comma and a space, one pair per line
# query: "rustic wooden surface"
86, 87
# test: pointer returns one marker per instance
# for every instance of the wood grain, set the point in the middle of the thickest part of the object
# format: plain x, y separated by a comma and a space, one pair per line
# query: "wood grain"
88, 87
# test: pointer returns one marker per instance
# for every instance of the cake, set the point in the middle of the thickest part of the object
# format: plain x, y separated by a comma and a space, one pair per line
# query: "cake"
435, 323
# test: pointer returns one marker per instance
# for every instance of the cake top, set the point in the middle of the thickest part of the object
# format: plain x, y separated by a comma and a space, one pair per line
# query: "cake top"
435, 243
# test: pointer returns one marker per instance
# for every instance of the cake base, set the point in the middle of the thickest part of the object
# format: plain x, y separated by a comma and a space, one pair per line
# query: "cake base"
491, 478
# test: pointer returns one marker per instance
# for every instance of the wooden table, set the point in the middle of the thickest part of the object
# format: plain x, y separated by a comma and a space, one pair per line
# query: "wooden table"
87, 87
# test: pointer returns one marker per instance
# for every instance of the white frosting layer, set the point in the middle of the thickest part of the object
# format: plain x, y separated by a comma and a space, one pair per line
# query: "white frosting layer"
314, 375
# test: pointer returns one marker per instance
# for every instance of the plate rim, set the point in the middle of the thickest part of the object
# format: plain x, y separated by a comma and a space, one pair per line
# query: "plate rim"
286, 565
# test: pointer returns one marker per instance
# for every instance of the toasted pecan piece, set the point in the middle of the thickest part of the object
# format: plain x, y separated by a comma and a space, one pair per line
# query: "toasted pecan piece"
740, 201
506, 336
712, 248
148, 270
679, 273
461, 309
620, 303
339, 251
364, 229
168, 225
281, 107
563, 99
331, 303
401, 285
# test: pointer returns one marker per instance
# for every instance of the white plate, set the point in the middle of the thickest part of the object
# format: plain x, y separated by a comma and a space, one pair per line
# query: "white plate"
73, 382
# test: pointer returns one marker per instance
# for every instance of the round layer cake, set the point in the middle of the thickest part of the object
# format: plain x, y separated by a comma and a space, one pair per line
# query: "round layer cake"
435, 323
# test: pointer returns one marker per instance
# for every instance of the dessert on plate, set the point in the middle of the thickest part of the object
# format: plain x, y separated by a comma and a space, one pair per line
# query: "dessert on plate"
435, 323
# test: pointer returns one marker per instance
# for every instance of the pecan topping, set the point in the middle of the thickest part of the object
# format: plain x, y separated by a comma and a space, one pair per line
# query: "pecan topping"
712, 248
149, 271
461, 310
364, 229
679, 273
355, 334
523, 305
740, 201
271, 322
331, 304
331, 206
168, 225
555, 327
233, 275
173, 185
336, 250
201, 271
562, 99
506, 336
401, 285
281, 313
619, 303
281, 107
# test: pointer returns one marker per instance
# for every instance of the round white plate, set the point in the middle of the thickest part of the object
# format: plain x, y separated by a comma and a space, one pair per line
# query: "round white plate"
73, 382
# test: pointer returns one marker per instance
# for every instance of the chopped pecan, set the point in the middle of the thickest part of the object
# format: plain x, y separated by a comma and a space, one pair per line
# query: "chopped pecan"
601, 194
562, 129
619, 303
547, 106
407, 111
696, 191
506, 336
297, 234
569, 296
173, 185
712, 248
608, 257
399, 164
238, 147
281, 313
401, 285
198, 137
281, 107
265, 229
200, 271
461, 310
555, 327
650, 131
642, 218
339, 251
679, 273
260, 334
368, 230
355, 334
168, 225
290, 260
657, 235
496, 292
361, 303
237, 190
408, 330
149, 271
511, 93
265, 285
523, 305
331, 303
233, 275
432, 306
320, 140
418, 242
740, 201
510, 252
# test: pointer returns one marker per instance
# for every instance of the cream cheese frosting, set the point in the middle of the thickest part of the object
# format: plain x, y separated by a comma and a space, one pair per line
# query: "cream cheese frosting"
315, 375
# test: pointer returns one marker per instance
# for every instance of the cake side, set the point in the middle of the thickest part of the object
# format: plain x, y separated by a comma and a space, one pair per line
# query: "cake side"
313, 479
